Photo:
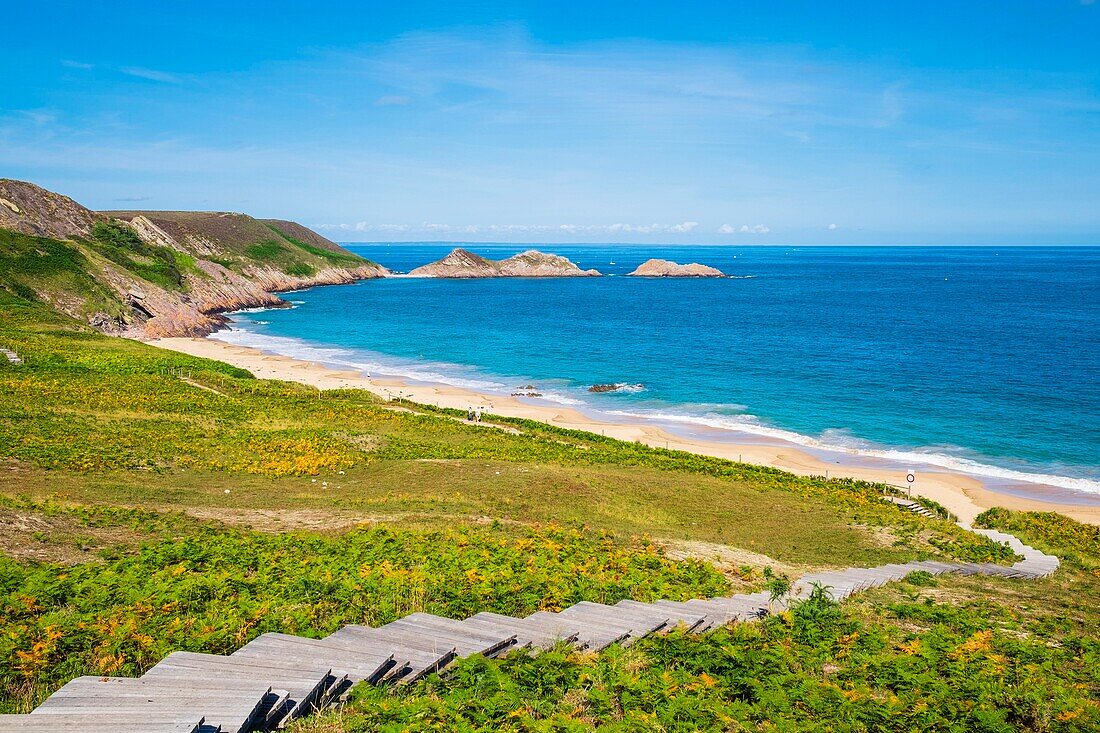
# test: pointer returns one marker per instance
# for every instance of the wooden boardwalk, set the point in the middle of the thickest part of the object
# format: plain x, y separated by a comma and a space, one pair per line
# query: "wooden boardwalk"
11, 356
277, 678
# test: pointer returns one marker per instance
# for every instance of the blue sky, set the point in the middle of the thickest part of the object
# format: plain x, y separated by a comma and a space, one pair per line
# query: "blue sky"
740, 123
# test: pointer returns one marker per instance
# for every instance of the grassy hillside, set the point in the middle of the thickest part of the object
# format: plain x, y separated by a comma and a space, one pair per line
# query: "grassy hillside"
151, 501
156, 273
56, 273
242, 243
933, 654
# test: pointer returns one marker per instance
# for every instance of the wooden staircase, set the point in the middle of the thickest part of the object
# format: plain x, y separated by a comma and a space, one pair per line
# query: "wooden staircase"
276, 678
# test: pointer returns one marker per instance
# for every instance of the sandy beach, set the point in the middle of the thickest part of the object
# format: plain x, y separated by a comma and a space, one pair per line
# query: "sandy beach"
964, 495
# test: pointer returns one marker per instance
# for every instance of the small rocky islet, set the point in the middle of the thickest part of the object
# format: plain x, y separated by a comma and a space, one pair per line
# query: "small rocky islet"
464, 264
666, 268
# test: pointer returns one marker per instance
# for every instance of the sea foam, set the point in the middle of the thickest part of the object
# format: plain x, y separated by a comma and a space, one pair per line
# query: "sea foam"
834, 441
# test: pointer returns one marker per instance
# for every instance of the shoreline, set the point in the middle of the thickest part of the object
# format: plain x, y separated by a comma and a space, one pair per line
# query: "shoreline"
964, 495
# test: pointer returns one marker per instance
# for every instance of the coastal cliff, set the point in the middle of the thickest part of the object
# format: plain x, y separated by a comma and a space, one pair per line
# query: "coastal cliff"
150, 274
461, 263
665, 268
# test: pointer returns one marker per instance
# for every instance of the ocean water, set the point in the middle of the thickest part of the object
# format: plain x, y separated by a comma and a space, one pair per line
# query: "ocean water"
980, 359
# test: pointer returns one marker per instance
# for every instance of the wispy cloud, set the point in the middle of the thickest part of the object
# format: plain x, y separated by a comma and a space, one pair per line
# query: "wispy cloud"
38, 117
76, 64
132, 199
626, 139
164, 77
392, 100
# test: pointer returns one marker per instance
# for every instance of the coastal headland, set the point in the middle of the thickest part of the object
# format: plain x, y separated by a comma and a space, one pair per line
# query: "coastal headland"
170, 276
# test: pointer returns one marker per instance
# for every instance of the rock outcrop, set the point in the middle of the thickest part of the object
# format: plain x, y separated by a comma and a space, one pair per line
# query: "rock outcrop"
461, 263
217, 262
31, 209
665, 268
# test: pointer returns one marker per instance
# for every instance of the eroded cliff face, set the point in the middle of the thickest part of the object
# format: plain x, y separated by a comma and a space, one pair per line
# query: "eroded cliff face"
461, 263
217, 262
665, 268
213, 289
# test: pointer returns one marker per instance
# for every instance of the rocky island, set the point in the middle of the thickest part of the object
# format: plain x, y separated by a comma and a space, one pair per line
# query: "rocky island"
665, 268
461, 263
150, 274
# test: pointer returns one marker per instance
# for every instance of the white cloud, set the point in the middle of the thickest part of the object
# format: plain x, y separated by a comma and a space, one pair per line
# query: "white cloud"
76, 64
727, 229
754, 229
39, 117
433, 227
831, 227
152, 74
392, 100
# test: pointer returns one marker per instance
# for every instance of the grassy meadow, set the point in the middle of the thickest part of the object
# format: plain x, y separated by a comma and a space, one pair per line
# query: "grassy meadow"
151, 501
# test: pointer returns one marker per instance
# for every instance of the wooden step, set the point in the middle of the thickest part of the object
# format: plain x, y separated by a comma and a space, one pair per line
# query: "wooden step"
364, 663
102, 723
527, 634
689, 621
467, 639
231, 708
308, 687
421, 655
590, 635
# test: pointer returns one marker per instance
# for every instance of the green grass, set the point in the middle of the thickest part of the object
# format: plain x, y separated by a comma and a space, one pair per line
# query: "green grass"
937, 654
121, 245
340, 259
339, 508
269, 250
215, 588
41, 269
97, 419
1074, 542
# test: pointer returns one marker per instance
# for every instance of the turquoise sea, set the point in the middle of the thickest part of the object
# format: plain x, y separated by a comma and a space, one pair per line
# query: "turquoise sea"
978, 359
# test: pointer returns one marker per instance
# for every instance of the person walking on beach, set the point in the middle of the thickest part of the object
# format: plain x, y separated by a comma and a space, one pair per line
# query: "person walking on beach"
477, 416
469, 414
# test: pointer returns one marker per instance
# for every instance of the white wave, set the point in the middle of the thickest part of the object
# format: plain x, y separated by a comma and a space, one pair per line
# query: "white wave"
620, 387
559, 399
361, 361
838, 442
261, 323
833, 441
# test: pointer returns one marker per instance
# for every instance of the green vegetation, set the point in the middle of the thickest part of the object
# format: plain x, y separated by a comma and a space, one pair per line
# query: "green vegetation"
948, 653
38, 268
340, 259
215, 588
267, 250
340, 508
916, 666
121, 244
112, 421
301, 269
1074, 542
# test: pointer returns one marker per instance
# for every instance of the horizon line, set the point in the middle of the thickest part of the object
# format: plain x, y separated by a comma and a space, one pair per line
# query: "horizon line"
532, 245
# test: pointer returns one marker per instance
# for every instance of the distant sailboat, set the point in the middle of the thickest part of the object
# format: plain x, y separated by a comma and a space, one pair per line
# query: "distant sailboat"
612, 262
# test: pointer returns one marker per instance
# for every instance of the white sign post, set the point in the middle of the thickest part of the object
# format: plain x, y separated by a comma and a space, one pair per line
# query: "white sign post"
910, 477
